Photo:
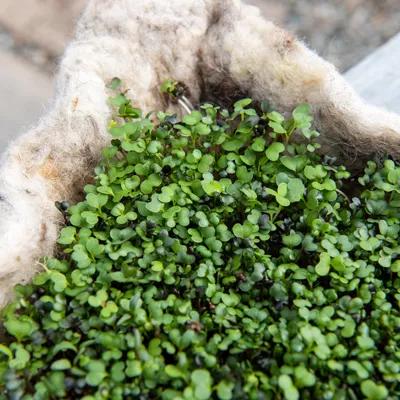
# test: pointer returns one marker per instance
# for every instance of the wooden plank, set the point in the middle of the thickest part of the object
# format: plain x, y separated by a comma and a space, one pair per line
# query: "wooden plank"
24, 94
377, 78
47, 24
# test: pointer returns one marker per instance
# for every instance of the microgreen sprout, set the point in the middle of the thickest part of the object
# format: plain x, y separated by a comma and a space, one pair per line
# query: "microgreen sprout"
176, 91
215, 257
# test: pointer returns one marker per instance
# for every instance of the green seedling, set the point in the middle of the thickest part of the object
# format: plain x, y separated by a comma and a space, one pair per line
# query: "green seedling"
215, 257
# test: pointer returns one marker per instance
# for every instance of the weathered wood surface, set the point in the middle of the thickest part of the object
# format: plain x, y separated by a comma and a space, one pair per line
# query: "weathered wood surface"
24, 94
377, 78
47, 24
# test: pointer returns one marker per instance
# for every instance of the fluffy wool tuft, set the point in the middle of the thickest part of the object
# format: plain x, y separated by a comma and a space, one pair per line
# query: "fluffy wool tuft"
219, 48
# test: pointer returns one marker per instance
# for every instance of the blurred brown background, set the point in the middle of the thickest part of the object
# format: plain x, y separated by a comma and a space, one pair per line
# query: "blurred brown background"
33, 34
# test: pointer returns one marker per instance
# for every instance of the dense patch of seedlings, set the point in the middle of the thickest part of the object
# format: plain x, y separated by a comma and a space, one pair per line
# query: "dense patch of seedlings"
215, 258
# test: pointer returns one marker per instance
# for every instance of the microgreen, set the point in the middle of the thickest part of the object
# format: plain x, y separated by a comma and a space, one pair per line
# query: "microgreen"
215, 257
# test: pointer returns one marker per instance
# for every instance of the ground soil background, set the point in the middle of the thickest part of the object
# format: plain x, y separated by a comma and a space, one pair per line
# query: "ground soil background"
33, 34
